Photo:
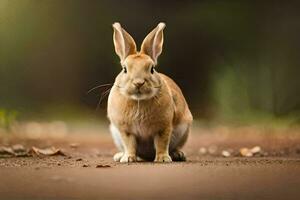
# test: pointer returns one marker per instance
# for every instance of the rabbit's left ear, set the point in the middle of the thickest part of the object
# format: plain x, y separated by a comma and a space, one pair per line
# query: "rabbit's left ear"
153, 43
124, 43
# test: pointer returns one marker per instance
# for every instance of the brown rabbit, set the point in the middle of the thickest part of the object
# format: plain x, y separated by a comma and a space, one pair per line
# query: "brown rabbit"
149, 116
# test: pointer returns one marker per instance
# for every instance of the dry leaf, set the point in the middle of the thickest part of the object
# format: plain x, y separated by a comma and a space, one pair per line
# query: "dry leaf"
103, 166
18, 148
6, 152
46, 152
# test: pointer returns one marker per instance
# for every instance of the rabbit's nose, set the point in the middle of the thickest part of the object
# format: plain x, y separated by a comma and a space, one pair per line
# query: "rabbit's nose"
138, 83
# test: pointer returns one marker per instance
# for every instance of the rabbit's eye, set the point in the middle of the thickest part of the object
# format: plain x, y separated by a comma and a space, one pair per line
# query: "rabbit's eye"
152, 70
125, 70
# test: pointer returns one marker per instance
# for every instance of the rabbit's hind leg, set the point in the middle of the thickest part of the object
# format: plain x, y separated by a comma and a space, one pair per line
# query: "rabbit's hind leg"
178, 139
178, 156
179, 136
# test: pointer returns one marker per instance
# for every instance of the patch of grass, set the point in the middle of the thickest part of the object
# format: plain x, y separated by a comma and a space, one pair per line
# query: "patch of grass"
7, 118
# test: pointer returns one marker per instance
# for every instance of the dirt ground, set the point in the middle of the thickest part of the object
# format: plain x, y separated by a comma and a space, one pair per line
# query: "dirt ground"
88, 172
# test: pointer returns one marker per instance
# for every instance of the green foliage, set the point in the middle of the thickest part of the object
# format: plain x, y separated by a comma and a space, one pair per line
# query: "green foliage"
235, 96
7, 118
243, 56
231, 94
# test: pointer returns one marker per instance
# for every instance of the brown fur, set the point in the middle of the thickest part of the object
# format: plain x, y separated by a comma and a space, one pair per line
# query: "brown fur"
151, 111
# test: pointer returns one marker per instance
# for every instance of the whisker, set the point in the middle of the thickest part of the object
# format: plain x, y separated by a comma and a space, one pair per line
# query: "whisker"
105, 93
117, 86
99, 86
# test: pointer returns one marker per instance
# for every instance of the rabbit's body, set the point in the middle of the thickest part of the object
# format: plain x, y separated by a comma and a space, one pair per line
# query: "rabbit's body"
146, 118
147, 110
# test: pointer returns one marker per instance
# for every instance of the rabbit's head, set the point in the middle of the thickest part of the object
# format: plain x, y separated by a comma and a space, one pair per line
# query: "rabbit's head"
138, 79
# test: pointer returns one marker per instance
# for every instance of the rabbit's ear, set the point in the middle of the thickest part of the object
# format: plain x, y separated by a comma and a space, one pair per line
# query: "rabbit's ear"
124, 43
152, 44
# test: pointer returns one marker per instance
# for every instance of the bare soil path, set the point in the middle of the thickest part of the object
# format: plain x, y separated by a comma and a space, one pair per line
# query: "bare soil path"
87, 172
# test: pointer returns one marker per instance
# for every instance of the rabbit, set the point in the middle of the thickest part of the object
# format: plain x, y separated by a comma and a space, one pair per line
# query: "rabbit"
149, 116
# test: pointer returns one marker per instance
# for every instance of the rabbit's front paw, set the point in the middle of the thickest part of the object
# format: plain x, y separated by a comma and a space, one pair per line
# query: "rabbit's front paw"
118, 156
163, 158
128, 158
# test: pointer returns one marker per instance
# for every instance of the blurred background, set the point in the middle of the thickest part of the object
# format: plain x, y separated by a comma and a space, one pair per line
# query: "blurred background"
236, 61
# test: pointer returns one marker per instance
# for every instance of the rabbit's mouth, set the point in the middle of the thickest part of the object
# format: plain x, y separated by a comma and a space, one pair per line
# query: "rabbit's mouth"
140, 93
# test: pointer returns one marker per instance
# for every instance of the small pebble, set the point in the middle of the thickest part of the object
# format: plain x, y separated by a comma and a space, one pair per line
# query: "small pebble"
202, 150
74, 145
246, 152
212, 149
226, 153
255, 150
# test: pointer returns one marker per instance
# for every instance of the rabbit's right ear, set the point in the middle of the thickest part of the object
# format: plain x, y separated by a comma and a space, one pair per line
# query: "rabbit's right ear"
152, 44
124, 43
